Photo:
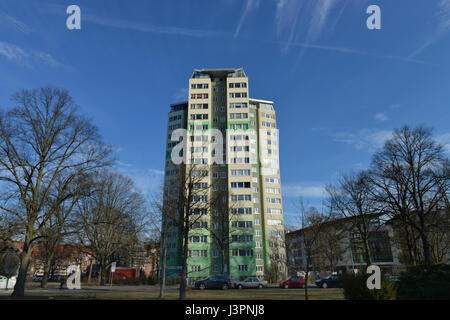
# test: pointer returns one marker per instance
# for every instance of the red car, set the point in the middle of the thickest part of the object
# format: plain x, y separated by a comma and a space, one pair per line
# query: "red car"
294, 282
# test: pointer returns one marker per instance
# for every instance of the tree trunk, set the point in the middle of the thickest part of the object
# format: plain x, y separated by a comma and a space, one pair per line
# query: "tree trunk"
367, 251
103, 273
426, 249
222, 261
45, 277
183, 283
47, 267
90, 273
162, 275
307, 276
25, 257
162, 287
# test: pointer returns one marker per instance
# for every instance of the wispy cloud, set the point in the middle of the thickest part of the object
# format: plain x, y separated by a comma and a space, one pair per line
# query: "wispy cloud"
304, 190
13, 52
286, 18
250, 5
146, 180
357, 52
442, 26
364, 139
7, 21
301, 23
24, 57
381, 117
306, 19
145, 27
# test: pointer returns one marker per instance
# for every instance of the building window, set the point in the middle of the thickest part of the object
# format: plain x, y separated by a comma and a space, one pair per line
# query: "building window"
241, 197
240, 172
273, 200
239, 126
273, 211
198, 239
243, 268
242, 238
197, 253
241, 224
242, 253
273, 222
240, 185
241, 210
238, 105
195, 269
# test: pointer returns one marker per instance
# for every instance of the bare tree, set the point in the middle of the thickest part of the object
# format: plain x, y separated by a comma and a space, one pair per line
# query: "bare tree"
411, 176
42, 138
159, 217
61, 224
221, 230
111, 218
312, 222
193, 204
352, 199
329, 247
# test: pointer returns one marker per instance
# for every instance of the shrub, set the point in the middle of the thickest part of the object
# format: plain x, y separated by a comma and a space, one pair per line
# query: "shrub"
152, 280
425, 282
355, 288
173, 280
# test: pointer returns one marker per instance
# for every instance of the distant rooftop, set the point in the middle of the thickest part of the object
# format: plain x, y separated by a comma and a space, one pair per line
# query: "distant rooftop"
218, 73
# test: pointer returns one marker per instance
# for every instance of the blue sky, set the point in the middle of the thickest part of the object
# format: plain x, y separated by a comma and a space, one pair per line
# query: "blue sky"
339, 88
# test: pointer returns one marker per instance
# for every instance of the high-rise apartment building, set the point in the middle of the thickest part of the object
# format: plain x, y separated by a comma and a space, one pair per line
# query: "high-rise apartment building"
231, 147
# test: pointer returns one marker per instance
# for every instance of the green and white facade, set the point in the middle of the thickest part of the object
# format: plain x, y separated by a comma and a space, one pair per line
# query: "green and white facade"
249, 177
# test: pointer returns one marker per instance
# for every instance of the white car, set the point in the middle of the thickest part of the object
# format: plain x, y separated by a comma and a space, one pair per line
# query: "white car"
4, 281
251, 283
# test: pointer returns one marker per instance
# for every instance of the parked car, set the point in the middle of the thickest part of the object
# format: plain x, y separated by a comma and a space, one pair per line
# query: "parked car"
54, 279
6, 283
223, 282
50, 279
251, 282
333, 281
293, 282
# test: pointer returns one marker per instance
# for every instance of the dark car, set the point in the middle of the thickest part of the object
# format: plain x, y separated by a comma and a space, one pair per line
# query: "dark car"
223, 282
50, 279
330, 282
294, 282
54, 279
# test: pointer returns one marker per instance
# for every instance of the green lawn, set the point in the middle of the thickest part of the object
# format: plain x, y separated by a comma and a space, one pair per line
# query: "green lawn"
256, 294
